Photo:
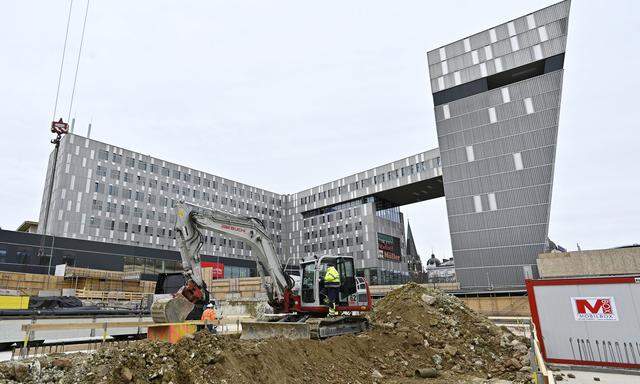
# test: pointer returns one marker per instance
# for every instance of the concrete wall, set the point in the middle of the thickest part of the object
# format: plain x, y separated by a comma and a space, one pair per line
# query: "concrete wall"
590, 263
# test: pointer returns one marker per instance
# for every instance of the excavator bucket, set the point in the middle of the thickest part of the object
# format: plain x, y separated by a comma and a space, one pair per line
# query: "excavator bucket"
171, 310
257, 330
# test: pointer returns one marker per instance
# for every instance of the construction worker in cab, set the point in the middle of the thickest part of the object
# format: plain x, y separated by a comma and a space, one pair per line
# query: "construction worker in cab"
209, 318
332, 284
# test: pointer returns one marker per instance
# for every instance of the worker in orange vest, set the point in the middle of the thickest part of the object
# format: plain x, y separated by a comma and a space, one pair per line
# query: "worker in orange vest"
209, 317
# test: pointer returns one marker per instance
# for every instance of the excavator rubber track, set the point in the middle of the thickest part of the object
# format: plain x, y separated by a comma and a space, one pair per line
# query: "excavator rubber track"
322, 328
312, 328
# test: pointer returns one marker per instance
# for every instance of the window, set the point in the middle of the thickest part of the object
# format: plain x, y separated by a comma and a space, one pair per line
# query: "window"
477, 203
175, 189
528, 105
151, 215
483, 69
456, 78
153, 183
542, 34
517, 160
98, 187
445, 67
440, 82
498, 64
115, 174
101, 171
123, 227
488, 53
492, 35
511, 28
116, 158
125, 210
537, 52
153, 168
165, 171
176, 174
113, 190
474, 57
505, 95
445, 111
96, 205
142, 165
141, 180
162, 216
151, 199
467, 45
443, 53
139, 196
514, 43
127, 177
186, 177
196, 180
470, 155
94, 222
103, 155
531, 21
130, 162
164, 186
137, 212
492, 115
492, 201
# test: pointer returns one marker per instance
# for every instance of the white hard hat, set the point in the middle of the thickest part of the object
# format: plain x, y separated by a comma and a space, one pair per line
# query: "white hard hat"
209, 305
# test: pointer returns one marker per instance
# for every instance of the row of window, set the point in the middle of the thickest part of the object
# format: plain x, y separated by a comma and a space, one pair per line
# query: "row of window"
123, 209
123, 226
114, 190
329, 217
333, 230
197, 180
332, 244
364, 183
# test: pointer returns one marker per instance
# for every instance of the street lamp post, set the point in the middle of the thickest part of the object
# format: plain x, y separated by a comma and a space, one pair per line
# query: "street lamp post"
60, 128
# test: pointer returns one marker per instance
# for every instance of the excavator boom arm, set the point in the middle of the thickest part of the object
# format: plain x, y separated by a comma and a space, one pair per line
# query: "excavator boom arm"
191, 219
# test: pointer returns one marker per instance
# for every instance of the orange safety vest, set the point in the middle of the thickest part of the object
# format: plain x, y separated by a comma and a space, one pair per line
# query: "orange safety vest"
209, 314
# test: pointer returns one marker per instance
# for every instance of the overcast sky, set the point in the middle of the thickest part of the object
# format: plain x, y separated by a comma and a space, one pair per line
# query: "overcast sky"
286, 95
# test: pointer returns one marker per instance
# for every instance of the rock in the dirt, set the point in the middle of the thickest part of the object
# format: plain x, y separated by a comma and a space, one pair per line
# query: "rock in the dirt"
414, 338
427, 373
450, 350
126, 375
20, 372
558, 377
437, 359
571, 376
428, 299
376, 374
62, 363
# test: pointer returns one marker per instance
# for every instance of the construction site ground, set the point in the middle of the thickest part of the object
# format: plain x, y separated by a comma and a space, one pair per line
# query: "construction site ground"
413, 328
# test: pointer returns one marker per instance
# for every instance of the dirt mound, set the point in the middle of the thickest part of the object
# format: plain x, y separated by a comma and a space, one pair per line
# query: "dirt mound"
413, 328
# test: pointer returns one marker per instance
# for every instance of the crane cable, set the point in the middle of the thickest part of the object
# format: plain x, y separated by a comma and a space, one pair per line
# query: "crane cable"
64, 51
75, 79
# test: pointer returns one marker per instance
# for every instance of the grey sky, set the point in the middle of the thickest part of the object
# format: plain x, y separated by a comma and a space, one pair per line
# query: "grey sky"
287, 95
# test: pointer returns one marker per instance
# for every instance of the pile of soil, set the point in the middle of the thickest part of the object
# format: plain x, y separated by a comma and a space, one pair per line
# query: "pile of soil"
413, 327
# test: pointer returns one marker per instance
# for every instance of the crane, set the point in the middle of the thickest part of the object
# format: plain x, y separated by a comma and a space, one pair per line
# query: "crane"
299, 302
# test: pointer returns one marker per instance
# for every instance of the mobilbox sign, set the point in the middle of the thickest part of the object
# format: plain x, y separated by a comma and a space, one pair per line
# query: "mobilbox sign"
594, 308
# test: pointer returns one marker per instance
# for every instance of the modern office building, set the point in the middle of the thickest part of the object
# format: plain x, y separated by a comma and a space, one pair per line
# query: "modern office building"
110, 194
497, 102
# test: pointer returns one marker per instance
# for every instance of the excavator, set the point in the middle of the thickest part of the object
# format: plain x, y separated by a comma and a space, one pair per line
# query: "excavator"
299, 303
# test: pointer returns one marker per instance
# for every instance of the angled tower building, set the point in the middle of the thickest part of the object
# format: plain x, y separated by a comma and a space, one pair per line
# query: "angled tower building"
497, 102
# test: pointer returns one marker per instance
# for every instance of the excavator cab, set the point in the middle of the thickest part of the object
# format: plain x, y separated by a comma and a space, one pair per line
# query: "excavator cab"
313, 291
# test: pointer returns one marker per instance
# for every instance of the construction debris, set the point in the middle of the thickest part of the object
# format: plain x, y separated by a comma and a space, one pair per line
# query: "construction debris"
418, 335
